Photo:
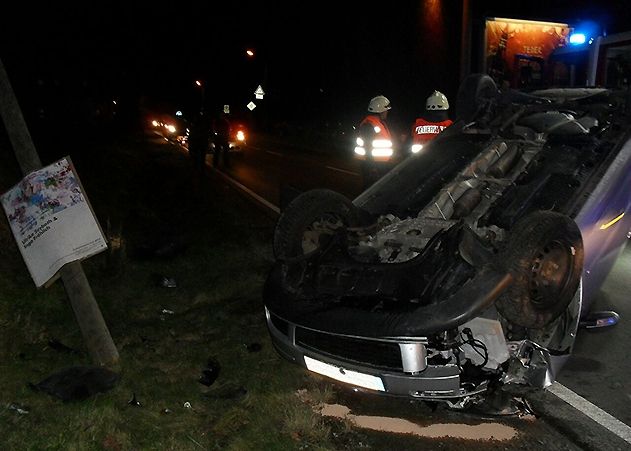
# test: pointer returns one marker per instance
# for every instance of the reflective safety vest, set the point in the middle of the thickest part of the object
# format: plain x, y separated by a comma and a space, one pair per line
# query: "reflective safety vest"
424, 130
380, 147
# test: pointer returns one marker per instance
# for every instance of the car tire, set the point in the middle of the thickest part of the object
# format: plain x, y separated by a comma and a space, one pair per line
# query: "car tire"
474, 96
545, 256
309, 218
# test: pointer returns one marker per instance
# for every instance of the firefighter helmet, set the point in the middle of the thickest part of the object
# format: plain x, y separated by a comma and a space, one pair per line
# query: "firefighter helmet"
379, 104
437, 101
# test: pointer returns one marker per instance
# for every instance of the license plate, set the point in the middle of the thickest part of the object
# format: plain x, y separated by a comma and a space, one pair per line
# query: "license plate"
344, 375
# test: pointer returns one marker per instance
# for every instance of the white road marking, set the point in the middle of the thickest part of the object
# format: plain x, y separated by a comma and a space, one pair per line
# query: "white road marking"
595, 413
342, 170
248, 191
275, 153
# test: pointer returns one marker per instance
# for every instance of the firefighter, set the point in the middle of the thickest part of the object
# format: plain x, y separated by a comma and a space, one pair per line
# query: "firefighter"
434, 121
374, 141
198, 143
221, 140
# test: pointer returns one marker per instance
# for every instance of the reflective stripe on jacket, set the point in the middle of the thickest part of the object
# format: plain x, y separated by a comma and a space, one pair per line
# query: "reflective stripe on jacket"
374, 142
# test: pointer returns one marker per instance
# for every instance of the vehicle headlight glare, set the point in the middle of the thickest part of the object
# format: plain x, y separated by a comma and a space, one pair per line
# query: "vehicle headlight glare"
360, 142
240, 136
416, 148
360, 150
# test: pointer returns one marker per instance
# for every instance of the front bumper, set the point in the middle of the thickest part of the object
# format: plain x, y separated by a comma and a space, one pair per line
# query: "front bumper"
383, 374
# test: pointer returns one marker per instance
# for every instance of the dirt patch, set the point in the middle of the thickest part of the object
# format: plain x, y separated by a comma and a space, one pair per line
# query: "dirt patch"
482, 431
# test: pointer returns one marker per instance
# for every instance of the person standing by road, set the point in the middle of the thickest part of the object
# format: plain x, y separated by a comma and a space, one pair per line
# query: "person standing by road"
374, 141
221, 140
198, 143
434, 120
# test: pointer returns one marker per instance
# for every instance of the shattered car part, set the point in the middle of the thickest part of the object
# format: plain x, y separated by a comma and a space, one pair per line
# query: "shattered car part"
77, 382
466, 269
210, 373
18, 408
134, 401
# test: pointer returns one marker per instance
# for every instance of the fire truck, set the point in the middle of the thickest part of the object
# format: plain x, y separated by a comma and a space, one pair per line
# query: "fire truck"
525, 54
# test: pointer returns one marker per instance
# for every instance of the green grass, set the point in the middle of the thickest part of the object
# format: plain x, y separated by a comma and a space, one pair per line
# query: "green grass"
147, 192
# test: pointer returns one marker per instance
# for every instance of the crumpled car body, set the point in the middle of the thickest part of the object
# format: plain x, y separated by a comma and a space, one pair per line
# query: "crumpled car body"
466, 269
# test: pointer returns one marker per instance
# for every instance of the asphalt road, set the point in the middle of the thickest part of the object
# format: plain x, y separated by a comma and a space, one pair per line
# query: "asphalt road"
600, 368
269, 171
597, 374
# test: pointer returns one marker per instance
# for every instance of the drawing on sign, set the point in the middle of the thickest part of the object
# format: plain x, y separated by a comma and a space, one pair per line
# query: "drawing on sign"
251, 106
226, 109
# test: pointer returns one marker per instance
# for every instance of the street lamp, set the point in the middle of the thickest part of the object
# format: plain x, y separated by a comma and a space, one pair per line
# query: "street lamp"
201, 86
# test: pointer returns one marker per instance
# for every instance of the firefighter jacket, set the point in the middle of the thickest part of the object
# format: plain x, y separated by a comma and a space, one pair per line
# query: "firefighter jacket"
374, 141
424, 130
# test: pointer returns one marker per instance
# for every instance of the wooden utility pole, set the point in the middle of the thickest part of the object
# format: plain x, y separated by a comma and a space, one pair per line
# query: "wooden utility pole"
95, 333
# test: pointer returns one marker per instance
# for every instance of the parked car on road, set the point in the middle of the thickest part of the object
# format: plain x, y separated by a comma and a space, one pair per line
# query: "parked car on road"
173, 128
464, 271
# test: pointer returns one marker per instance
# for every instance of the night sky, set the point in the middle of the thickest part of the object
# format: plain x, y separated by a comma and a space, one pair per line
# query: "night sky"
315, 59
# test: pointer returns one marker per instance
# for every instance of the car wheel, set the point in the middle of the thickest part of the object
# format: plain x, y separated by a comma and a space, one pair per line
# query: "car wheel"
475, 96
545, 256
309, 219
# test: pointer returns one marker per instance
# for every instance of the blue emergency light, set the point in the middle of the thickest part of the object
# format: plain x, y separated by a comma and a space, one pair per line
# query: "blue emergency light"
584, 32
577, 38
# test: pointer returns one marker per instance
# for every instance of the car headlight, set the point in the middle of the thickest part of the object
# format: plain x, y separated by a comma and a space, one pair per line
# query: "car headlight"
360, 150
171, 128
416, 148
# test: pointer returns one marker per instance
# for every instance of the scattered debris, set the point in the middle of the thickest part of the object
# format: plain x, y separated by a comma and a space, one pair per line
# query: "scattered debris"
187, 405
19, 409
77, 382
500, 403
167, 282
168, 312
134, 401
254, 347
210, 373
166, 411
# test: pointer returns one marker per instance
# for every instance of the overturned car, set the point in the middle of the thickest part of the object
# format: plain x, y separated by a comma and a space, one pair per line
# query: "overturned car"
466, 269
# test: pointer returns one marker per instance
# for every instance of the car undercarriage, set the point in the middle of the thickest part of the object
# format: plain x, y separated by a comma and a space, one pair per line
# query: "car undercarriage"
460, 272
